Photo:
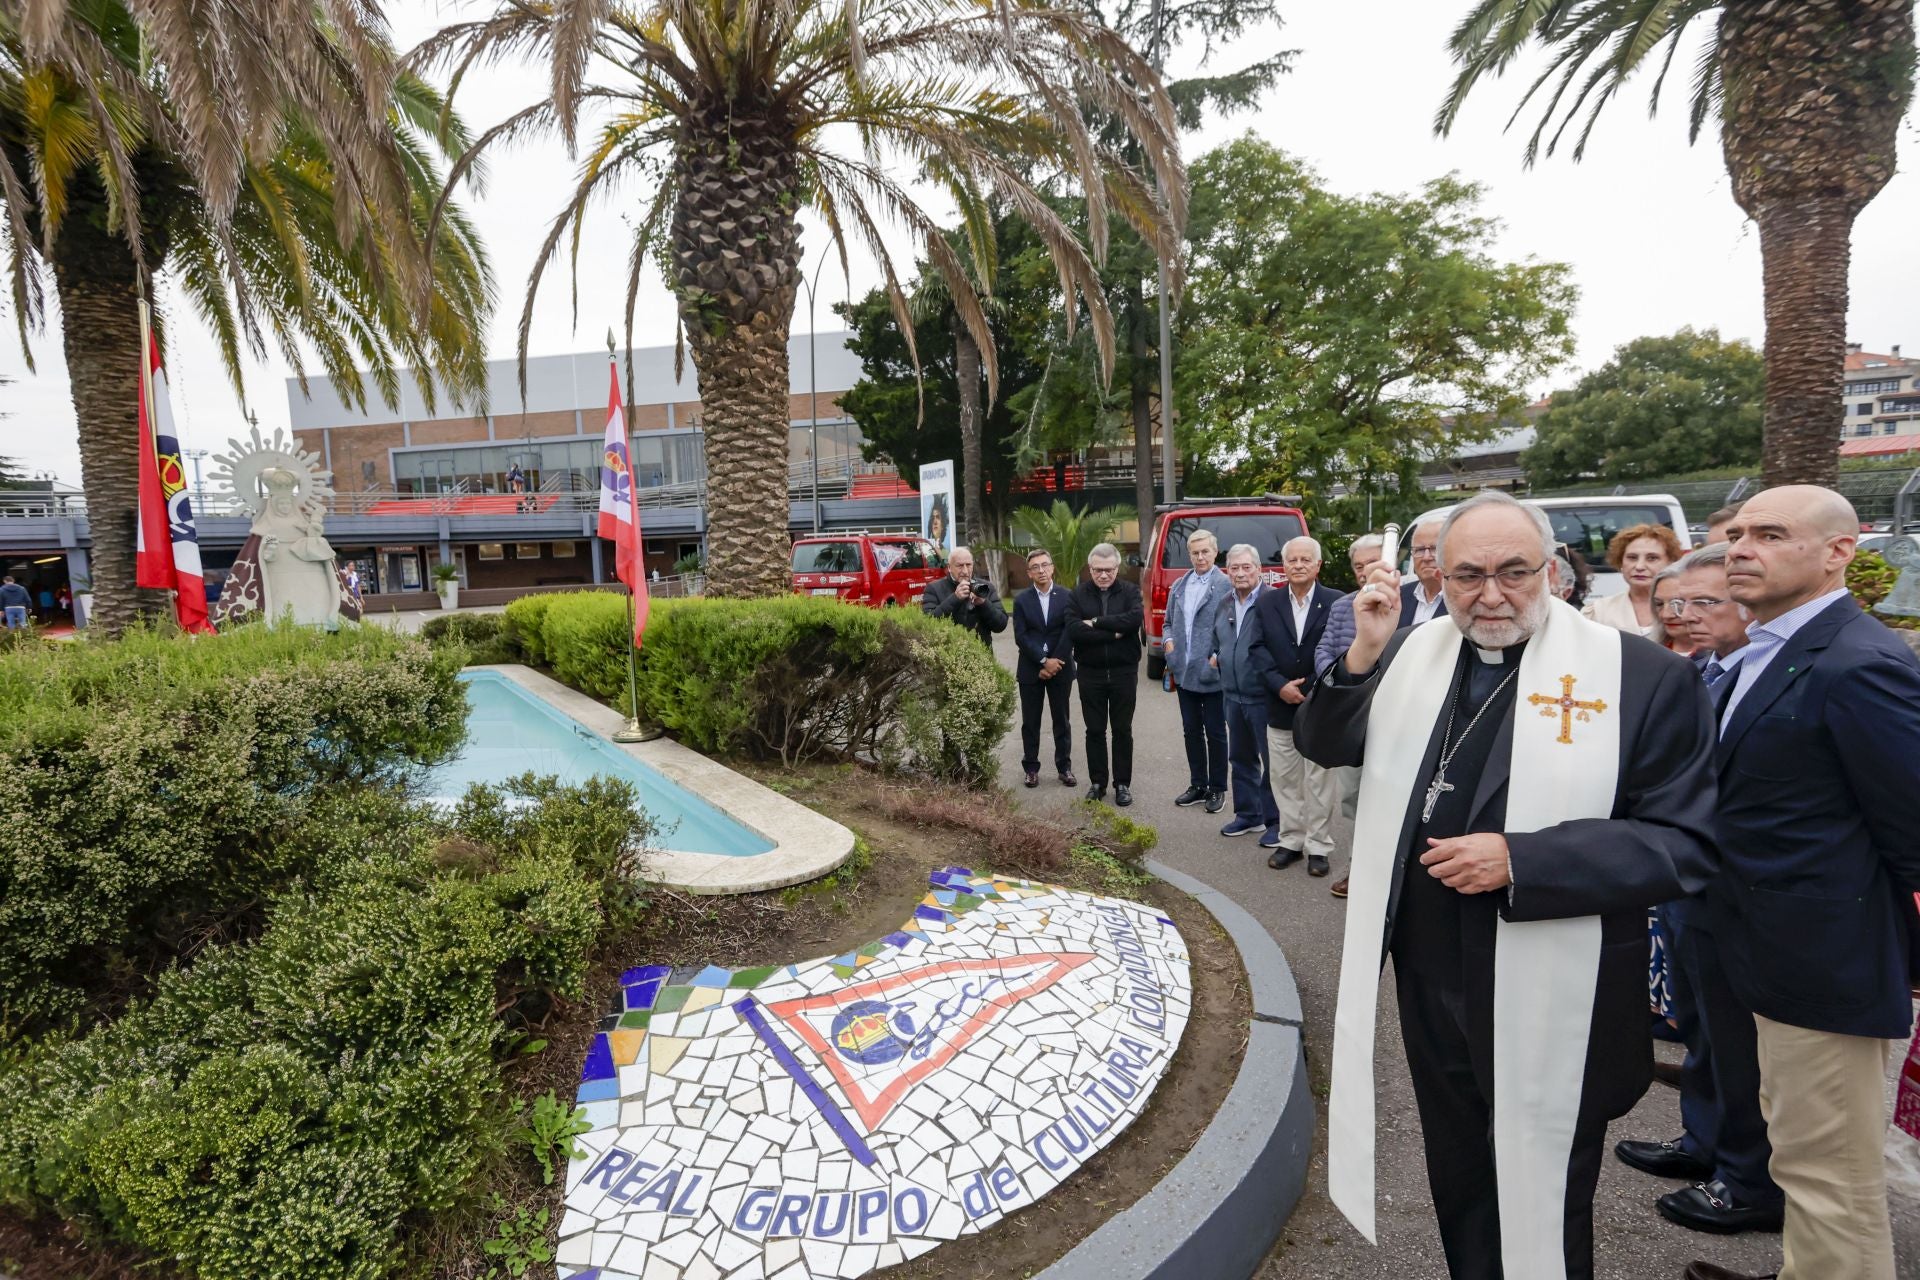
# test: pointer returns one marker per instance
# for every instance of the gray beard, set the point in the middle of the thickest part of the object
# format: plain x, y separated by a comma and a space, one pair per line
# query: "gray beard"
1504, 633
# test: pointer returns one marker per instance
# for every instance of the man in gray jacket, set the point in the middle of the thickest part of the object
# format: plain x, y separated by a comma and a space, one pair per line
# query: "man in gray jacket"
1240, 656
1193, 605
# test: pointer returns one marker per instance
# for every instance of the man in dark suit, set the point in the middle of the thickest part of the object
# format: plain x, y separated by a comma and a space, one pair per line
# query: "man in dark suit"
964, 599
1819, 759
1045, 672
1104, 616
1422, 600
1292, 620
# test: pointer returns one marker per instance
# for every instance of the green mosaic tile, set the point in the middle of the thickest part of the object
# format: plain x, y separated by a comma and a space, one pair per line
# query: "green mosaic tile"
636, 1019
966, 902
872, 949
671, 999
747, 979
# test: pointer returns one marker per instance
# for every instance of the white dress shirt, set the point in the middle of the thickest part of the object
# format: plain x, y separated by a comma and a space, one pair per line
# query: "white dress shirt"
1046, 597
1301, 608
1423, 608
1766, 639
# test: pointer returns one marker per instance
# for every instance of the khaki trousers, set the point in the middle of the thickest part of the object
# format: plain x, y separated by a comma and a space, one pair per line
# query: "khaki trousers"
1823, 1096
1307, 795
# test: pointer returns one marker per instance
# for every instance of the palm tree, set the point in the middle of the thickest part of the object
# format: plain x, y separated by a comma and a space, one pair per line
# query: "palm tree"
738, 115
1810, 94
1069, 535
284, 266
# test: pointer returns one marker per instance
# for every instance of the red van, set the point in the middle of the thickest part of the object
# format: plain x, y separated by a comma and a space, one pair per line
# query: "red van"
1266, 524
878, 569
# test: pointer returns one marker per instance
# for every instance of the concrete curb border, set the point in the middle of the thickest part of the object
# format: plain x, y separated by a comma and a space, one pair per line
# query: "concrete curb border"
1220, 1210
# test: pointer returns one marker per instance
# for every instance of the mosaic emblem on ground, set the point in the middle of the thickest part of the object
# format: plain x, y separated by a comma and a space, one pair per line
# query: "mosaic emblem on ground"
841, 1115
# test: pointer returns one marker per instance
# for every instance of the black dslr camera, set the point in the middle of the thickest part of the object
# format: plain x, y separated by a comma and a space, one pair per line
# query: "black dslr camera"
982, 589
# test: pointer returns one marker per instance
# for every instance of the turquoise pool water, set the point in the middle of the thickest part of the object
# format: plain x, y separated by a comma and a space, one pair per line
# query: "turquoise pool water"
510, 732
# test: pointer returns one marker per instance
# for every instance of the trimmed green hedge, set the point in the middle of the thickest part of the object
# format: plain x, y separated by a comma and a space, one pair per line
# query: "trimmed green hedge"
284, 1110
146, 785
791, 678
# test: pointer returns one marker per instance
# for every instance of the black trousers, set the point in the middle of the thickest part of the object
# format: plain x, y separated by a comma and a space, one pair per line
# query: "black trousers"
1720, 1083
1107, 695
1053, 695
1454, 1093
1203, 722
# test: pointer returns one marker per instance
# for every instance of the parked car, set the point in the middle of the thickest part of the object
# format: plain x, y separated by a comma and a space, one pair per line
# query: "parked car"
884, 570
1587, 524
1266, 524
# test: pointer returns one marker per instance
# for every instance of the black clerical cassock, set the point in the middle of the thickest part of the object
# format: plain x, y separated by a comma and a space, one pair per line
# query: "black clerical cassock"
1591, 751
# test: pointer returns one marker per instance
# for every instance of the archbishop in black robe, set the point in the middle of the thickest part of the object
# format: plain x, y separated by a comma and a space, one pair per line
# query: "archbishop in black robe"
1654, 846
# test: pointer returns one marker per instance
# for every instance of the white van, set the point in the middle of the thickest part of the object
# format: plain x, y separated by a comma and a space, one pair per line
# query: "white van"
1588, 523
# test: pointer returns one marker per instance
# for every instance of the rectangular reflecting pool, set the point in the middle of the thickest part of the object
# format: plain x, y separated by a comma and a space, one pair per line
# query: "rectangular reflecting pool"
511, 731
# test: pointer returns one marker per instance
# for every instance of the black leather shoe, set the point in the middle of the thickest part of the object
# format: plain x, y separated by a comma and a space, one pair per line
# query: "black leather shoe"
1033, 777
1709, 1271
1097, 791
1667, 1073
1317, 865
1662, 1160
1067, 779
1216, 801
1710, 1206
1191, 796
1280, 859
1122, 794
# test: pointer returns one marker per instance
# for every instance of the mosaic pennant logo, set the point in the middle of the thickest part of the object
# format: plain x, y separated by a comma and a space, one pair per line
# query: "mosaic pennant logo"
842, 1115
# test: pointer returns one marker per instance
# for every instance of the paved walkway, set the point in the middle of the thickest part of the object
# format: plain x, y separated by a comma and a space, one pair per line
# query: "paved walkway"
1632, 1240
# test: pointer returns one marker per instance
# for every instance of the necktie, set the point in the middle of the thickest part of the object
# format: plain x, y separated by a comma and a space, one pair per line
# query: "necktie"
1713, 672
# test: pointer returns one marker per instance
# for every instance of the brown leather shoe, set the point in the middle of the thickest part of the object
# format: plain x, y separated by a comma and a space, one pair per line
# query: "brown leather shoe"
1667, 1073
1339, 889
1709, 1271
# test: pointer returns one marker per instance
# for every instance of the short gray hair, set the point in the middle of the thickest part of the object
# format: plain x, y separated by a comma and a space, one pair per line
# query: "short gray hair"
1495, 498
1240, 548
960, 549
1711, 556
1672, 571
1207, 534
1365, 542
1318, 554
1105, 551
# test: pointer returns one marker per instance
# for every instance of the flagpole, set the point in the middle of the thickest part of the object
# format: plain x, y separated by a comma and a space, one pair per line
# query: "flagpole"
631, 731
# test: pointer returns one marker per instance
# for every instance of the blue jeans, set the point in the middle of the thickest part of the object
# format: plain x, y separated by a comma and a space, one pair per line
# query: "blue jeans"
16, 617
1247, 754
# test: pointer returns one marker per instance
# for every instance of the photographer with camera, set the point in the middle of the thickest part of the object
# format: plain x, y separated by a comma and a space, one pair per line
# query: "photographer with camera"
962, 598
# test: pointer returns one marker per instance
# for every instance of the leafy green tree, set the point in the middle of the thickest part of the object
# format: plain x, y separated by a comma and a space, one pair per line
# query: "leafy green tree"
1809, 95
731, 118
298, 260
1663, 405
1068, 534
1332, 340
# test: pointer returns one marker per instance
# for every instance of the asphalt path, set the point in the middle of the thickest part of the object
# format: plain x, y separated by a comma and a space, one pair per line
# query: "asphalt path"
1631, 1238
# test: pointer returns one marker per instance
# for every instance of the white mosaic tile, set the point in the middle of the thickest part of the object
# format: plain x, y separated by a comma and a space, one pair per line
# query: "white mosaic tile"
842, 1115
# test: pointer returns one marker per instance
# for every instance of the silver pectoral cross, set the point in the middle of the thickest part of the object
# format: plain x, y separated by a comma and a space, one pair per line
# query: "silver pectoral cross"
1440, 784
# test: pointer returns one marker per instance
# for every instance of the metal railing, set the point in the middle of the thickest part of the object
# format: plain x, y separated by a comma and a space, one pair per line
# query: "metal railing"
27, 504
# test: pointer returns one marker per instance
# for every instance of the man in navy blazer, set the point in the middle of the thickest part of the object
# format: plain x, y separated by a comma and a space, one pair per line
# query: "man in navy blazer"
1045, 670
1421, 600
1819, 760
1292, 620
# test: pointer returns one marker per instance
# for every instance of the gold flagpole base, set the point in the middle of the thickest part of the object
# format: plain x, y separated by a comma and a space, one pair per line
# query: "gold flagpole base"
635, 732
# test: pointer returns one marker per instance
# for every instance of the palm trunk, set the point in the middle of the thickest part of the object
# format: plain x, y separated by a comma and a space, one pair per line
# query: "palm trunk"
1805, 247
1141, 393
97, 281
736, 247
966, 363
1814, 92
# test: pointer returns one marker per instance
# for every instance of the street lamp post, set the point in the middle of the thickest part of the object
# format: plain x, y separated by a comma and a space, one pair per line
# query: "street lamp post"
813, 386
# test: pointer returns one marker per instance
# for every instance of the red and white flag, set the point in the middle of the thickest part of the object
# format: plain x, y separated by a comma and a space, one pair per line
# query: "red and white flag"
167, 548
620, 505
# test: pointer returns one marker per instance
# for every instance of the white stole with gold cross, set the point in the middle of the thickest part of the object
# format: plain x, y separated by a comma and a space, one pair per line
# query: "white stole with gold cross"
1565, 766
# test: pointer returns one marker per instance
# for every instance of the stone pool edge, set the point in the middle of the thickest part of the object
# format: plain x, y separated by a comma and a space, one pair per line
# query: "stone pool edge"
1219, 1211
806, 844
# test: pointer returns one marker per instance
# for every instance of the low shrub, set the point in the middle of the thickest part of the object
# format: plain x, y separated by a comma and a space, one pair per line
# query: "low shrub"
482, 636
790, 678
524, 626
1870, 578
146, 786
284, 1109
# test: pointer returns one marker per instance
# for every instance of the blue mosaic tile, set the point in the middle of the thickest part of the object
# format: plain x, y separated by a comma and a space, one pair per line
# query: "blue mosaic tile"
931, 913
897, 939
712, 976
602, 1089
646, 973
642, 995
599, 1064
944, 897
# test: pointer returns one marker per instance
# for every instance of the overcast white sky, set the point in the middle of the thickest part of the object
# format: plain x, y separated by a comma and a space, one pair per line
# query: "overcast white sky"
1654, 237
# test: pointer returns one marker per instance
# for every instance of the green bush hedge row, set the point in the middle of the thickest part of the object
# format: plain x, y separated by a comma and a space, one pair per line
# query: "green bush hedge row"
146, 785
283, 1110
791, 678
